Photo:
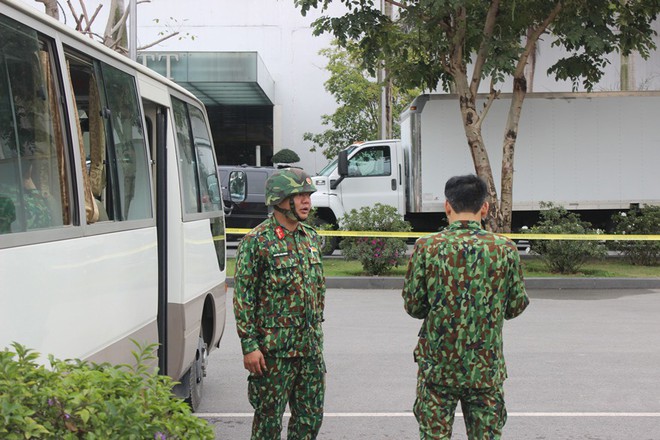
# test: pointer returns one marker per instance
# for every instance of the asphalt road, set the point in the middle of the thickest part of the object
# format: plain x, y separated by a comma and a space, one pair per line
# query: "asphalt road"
583, 364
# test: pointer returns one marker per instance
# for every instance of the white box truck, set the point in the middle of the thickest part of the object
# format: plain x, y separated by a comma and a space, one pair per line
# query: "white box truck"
595, 153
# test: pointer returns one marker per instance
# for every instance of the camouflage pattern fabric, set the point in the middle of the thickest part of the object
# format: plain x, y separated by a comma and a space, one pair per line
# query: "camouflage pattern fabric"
36, 211
279, 297
463, 282
286, 182
7, 214
299, 381
279, 291
483, 411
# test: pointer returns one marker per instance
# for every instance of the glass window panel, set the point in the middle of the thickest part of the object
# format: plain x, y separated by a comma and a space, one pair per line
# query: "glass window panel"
33, 170
209, 189
373, 161
187, 158
131, 169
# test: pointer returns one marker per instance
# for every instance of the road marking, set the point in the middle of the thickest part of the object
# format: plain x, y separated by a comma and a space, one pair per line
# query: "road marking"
410, 414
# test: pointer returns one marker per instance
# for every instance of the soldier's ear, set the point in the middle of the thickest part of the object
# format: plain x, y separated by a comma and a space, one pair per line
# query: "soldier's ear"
484, 209
448, 209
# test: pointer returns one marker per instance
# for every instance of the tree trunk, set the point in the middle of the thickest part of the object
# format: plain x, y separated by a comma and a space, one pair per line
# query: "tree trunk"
472, 125
115, 29
51, 8
508, 149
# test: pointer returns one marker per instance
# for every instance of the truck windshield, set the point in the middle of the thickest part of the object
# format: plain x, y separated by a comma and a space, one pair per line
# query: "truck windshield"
329, 168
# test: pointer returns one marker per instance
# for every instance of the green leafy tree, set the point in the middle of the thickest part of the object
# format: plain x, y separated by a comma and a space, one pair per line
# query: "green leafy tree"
358, 95
456, 45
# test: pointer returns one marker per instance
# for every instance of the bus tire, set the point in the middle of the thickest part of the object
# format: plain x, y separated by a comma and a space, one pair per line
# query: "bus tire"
195, 376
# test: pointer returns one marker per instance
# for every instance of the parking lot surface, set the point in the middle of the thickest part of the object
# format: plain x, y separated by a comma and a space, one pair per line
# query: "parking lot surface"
583, 364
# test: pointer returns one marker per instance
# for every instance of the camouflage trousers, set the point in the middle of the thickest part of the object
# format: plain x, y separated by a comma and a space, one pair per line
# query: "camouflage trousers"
298, 381
483, 410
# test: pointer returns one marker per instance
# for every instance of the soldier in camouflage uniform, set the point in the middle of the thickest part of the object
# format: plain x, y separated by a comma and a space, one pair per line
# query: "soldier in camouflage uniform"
279, 297
463, 282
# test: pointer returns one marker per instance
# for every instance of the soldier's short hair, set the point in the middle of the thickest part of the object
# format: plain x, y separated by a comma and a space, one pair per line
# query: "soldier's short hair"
466, 193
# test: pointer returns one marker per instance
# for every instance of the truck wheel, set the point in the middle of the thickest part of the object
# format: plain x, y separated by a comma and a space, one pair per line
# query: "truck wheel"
195, 376
328, 244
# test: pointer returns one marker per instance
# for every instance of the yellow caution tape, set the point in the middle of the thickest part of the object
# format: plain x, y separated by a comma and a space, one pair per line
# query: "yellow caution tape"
383, 234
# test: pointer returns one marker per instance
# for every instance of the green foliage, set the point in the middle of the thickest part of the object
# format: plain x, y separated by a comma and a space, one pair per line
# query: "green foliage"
645, 220
285, 156
377, 255
455, 45
328, 243
431, 42
74, 400
564, 256
358, 95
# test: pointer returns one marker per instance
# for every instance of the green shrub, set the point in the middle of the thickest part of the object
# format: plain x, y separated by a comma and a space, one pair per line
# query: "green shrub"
328, 243
377, 255
564, 256
285, 155
74, 399
645, 220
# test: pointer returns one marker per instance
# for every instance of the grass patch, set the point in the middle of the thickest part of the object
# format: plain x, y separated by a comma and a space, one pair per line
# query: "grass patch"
533, 268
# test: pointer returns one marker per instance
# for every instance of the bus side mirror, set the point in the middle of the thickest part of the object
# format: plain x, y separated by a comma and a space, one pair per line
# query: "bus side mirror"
237, 186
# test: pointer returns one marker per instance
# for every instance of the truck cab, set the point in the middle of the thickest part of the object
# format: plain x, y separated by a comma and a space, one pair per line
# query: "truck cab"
362, 175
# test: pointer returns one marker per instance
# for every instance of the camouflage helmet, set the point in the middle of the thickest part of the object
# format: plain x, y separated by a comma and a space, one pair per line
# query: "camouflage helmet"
286, 182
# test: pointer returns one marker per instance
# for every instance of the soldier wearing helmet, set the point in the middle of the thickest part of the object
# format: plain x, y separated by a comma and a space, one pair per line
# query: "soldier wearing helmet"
279, 297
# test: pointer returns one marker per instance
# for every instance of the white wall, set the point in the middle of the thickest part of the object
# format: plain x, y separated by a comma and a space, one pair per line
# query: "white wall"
282, 37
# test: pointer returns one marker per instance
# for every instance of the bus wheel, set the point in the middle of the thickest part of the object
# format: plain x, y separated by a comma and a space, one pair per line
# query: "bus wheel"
195, 376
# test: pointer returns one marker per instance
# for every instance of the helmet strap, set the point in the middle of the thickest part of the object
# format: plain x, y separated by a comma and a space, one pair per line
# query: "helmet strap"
290, 213
292, 205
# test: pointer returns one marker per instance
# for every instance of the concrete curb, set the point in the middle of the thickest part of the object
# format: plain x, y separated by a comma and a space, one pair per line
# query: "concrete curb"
531, 283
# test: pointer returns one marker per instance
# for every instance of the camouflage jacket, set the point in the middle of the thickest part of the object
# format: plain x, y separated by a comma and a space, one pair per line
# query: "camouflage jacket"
33, 207
279, 291
463, 281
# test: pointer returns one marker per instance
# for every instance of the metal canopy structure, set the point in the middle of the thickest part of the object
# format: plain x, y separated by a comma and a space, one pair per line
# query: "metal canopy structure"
216, 78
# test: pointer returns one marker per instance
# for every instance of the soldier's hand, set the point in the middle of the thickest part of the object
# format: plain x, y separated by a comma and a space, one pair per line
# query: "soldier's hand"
255, 362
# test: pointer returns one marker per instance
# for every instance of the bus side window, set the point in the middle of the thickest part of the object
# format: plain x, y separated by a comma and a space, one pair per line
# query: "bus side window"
186, 157
209, 187
33, 169
116, 183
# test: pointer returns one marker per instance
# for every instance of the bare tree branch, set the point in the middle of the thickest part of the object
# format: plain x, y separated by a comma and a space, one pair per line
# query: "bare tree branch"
492, 96
160, 40
51, 7
533, 38
96, 12
395, 3
121, 23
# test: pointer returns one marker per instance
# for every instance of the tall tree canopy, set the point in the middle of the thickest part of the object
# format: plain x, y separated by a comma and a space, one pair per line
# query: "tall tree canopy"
457, 44
358, 95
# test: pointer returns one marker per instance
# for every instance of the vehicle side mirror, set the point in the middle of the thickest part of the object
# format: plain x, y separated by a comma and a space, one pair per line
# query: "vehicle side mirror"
342, 163
342, 169
237, 186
